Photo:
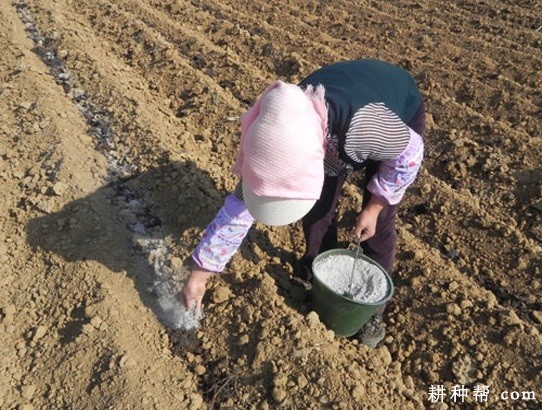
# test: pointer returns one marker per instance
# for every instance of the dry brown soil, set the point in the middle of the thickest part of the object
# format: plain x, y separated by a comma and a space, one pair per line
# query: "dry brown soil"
118, 127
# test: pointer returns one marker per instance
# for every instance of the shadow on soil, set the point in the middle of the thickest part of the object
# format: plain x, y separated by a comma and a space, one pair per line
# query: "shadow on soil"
163, 202
108, 225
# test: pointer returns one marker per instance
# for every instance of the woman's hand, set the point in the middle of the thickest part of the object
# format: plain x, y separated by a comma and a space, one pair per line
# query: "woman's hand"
194, 288
366, 221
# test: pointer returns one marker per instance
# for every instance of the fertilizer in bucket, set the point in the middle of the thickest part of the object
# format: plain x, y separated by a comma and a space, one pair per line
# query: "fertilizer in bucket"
366, 284
341, 307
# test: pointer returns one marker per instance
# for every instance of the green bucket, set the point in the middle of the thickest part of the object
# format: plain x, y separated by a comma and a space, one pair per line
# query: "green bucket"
341, 314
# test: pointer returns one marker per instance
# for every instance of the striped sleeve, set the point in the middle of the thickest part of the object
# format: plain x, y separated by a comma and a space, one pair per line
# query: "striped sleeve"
375, 133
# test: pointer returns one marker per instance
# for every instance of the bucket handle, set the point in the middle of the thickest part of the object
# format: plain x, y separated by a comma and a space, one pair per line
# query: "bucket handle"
356, 256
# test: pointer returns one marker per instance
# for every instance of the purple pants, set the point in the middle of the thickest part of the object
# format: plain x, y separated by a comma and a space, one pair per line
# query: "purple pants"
320, 224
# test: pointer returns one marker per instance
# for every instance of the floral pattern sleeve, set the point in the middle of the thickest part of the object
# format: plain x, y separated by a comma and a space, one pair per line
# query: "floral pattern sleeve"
223, 235
395, 176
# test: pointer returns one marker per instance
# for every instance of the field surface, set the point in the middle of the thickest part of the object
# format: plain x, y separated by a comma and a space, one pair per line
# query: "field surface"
119, 122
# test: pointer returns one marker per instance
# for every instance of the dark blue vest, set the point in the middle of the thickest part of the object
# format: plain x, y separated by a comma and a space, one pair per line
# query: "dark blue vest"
350, 85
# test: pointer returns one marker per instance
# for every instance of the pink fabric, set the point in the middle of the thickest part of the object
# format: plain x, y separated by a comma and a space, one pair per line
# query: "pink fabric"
395, 176
282, 143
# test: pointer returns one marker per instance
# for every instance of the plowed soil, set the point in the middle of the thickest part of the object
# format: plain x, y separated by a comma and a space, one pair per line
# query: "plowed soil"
118, 128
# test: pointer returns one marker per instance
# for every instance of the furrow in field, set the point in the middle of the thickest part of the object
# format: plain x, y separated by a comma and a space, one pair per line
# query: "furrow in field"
452, 123
157, 132
69, 279
525, 18
139, 44
454, 221
418, 19
214, 60
464, 125
504, 130
500, 50
462, 50
504, 91
425, 19
261, 42
461, 55
455, 325
160, 71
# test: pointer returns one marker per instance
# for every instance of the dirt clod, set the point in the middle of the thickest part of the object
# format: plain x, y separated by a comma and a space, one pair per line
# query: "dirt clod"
222, 295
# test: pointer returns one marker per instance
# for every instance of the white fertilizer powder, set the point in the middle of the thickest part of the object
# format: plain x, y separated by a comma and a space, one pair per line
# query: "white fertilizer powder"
369, 284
